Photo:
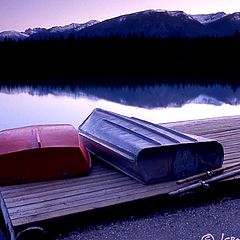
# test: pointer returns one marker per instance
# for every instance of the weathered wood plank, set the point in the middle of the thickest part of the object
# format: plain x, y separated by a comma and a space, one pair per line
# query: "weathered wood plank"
125, 195
234, 160
80, 183
88, 178
63, 193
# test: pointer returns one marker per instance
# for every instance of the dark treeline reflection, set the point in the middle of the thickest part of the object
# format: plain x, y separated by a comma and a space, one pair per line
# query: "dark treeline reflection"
147, 97
129, 61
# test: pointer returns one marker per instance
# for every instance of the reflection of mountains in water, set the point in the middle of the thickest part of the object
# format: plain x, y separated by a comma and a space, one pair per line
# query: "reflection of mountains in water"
147, 97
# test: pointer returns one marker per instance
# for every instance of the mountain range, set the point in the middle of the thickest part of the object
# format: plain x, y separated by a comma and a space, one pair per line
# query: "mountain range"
149, 23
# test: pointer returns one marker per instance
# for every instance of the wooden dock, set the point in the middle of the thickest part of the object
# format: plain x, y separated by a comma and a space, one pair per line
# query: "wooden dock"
30, 205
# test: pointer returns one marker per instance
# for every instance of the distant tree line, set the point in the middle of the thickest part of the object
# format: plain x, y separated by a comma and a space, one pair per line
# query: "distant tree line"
120, 61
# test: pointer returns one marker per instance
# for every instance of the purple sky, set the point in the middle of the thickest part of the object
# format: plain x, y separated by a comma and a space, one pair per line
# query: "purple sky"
21, 14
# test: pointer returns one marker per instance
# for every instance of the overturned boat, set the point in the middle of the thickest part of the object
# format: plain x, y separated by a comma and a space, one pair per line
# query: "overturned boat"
40, 153
148, 152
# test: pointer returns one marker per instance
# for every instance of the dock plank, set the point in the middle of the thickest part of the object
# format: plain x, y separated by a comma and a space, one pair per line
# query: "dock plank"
32, 204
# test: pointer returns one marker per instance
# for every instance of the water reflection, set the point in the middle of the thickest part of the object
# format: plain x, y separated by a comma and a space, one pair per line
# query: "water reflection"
27, 105
147, 97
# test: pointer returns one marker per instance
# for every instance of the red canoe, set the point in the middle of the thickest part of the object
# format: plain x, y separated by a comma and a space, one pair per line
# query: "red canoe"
42, 152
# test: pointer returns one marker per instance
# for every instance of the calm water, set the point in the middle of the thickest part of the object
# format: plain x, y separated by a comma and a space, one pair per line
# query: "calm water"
27, 105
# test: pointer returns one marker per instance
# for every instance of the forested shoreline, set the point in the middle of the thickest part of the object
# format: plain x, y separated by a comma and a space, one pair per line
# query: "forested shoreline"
118, 61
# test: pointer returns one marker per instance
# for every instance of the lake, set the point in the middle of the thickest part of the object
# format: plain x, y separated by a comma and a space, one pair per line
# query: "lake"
21, 106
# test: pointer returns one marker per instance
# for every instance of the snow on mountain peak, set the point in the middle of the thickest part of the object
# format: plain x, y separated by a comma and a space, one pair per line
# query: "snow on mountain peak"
179, 14
13, 35
236, 16
31, 31
171, 13
87, 24
59, 29
72, 26
176, 13
122, 18
208, 18
153, 10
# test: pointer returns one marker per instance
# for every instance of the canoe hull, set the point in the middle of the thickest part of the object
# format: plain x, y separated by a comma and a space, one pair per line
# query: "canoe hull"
148, 152
40, 153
